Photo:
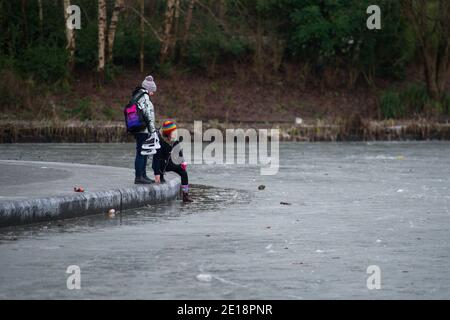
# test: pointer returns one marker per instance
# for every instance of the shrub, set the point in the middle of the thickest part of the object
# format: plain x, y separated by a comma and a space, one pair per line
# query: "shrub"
334, 33
7, 62
109, 113
415, 98
111, 71
165, 69
391, 105
83, 110
447, 104
48, 64
15, 94
87, 42
212, 46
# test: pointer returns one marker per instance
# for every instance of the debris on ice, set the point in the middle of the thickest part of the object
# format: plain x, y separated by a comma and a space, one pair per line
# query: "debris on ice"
204, 277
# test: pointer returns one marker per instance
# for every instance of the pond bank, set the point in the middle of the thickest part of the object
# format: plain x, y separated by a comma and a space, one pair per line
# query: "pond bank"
353, 129
34, 192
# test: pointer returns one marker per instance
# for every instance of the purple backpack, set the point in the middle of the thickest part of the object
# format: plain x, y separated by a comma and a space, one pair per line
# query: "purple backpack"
134, 118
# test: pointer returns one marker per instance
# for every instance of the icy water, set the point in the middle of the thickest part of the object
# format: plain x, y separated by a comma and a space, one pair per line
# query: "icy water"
351, 206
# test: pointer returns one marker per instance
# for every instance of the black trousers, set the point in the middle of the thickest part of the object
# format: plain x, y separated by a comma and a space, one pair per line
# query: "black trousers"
171, 167
140, 162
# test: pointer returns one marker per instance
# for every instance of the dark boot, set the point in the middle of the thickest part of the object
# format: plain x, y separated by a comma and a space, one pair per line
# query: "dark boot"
143, 180
186, 198
147, 178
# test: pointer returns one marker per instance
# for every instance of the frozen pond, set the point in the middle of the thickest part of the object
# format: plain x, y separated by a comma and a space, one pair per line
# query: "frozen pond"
351, 206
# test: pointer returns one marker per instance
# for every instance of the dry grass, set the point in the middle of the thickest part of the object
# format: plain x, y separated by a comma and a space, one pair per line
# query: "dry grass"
354, 129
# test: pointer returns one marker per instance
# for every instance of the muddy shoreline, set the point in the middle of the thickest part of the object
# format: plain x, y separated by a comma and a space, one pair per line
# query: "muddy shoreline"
312, 131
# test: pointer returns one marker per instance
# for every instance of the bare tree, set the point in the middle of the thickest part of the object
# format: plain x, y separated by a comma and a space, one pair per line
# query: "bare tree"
70, 37
168, 25
25, 22
146, 22
152, 8
119, 6
177, 19
101, 38
188, 21
141, 53
41, 16
222, 9
176, 30
430, 22
187, 26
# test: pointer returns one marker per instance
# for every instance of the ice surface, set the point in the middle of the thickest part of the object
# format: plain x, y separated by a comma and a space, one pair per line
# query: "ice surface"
344, 203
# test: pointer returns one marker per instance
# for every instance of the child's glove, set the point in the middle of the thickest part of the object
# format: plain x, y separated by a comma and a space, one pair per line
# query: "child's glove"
184, 166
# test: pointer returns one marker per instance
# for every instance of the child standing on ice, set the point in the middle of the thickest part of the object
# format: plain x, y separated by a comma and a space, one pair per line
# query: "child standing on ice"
169, 158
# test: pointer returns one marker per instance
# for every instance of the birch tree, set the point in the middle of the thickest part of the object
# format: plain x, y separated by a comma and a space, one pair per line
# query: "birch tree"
142, 27
25, 22
168, 24
222, 10
70, 37
188, 21
187, 26
41, 16
177, 21
119, 6
101, 38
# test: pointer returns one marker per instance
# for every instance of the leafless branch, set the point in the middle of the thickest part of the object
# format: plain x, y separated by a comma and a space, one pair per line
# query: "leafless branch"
145, 21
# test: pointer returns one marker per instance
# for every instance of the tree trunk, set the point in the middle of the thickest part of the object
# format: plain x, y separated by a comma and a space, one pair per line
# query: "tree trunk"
443, 65
141, 52
119, 6
25, 22
41, 17
259, 59
443, 74
101, 39
222, 10
429, 64
152, 8
70, 38
187, 27
177, 21
433, 33
174, 38
168, 23
188, 22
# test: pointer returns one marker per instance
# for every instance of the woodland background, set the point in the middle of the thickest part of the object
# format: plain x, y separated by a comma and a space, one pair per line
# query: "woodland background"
235, 60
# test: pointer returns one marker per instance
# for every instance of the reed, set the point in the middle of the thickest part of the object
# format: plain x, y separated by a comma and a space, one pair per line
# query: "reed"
352, 129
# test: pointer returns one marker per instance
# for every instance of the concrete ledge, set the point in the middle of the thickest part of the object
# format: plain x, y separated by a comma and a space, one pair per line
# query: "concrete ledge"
111, 187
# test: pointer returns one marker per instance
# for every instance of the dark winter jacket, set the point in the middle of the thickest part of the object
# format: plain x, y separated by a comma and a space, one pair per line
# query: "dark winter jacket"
165, 154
